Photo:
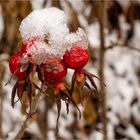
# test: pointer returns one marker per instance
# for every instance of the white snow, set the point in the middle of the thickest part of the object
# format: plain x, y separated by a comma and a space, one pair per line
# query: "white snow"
49, 23
79, 39
43, 22
50, 27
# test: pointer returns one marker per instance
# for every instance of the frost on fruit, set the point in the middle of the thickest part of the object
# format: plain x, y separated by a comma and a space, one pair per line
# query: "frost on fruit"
50, 28
50, 24
37, 52
48, 49
77, 39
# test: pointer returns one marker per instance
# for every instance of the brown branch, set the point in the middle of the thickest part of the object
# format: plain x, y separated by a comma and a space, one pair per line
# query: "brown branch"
116, 44
2, 73
21, 131
102, 22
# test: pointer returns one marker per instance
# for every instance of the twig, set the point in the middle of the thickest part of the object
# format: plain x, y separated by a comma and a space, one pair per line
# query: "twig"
102, 21
1, 110
2, 73
21, 131
116, 44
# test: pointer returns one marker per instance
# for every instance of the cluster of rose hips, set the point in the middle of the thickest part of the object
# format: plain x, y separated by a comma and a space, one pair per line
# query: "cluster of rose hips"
51, 74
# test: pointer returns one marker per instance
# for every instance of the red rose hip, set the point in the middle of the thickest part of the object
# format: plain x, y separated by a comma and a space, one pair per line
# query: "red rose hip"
14, 65
76, 58
54, 70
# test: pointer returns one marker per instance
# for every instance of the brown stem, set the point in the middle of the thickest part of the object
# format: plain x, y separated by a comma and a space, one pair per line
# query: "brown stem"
102, 22
1, 111
2, 73
116, 44
21, 131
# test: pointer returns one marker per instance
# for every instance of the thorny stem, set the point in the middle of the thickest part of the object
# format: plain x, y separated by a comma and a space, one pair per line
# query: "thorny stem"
102, 20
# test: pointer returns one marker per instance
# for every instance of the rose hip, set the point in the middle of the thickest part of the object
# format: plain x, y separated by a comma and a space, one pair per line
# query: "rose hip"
76, 58
54, 70
15, 64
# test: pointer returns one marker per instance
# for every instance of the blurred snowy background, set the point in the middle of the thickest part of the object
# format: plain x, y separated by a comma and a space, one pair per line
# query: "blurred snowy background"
121, 70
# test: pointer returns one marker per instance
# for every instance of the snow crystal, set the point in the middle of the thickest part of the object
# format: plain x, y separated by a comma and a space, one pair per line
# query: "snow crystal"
49, 26
43, 22
79, 39
50, 23
35, 51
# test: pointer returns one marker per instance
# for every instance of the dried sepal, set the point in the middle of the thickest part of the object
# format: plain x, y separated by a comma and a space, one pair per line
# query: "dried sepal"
30, 95
79, 80
40, 89
92, 82
22, 86
66, 93
58, 102
92, 91
40, 73
67, 105
73, 82
12, 77
92, 75
13, 94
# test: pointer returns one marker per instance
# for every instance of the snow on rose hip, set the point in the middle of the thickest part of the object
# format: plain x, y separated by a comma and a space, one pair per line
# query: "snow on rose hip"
54, 70
34, 50
48, 50
76, 57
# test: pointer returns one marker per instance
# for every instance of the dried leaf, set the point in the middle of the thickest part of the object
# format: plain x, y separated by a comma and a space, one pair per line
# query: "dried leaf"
40, 74
92, 75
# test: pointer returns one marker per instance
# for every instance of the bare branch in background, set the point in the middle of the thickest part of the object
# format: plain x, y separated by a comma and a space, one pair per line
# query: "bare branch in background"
15, 11
102, 21
22, 129
2, 72
116, 44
